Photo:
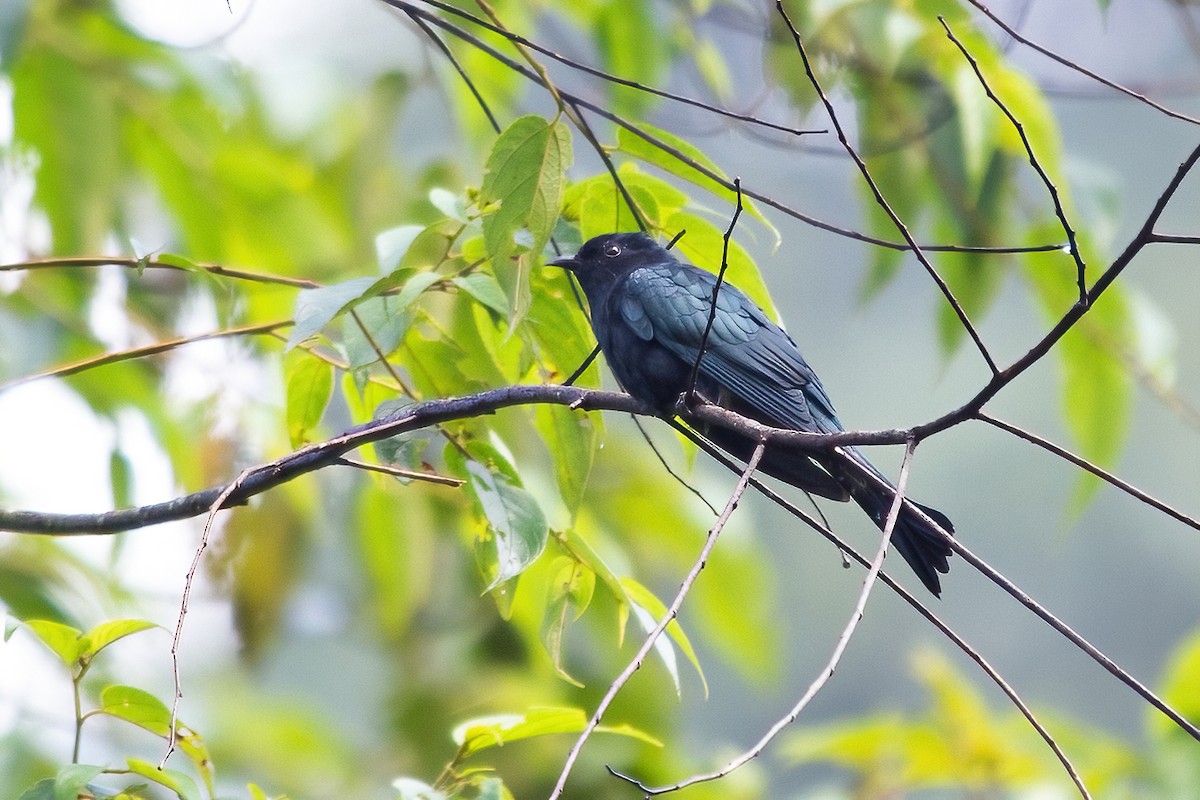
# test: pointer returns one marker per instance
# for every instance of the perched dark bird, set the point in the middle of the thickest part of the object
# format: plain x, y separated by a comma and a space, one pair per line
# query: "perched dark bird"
649, 311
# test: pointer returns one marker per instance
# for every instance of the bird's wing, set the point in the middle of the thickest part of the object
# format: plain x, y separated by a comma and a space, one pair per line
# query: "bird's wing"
747, 354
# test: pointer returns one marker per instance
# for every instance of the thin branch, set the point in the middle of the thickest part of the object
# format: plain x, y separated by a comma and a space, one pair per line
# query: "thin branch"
666, 466
217, 504
672, 612
152, 263
1088, 466
1082, 70
835, 658
519, 40
963, 319
462, 73
847, 551
716, 292
407, 474
701, 169
1072, 244
144, 351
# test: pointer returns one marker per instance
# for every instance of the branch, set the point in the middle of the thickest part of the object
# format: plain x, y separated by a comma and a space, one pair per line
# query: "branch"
879, 198
1072, 245
672, 611
1082, 70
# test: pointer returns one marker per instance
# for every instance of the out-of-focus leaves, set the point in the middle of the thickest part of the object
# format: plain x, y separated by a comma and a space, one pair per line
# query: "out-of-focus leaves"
413, 789
957, 742
685, 168
309, 388
63, 640
393, 535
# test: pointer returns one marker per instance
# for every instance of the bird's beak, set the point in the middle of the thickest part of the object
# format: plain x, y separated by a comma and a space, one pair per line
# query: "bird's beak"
566, 262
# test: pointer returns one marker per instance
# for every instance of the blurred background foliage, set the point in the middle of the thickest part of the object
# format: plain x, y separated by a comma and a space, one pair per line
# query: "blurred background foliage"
335, 243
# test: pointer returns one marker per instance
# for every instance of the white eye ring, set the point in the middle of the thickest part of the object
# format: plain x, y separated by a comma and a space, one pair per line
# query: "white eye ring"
613, 250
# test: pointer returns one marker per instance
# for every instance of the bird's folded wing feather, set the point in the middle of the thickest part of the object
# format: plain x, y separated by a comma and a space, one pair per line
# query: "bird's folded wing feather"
746, 353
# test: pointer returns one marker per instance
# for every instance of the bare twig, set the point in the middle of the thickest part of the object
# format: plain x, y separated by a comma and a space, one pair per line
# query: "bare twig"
1082, 70
672, 611
144, 351
1088, 466
880, 200
716, 293
153, 263
834, 659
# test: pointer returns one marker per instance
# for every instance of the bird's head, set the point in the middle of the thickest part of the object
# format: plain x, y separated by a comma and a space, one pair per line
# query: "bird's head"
611, 254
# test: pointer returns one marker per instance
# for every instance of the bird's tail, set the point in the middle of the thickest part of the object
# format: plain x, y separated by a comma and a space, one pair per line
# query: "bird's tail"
925, 550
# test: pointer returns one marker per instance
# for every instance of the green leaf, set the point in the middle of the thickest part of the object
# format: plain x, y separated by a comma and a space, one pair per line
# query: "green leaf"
181, 784
106, 633
392, 245
526, 174
316, 308
63, 640
517, 527
309, 388
71, 781
572, 440
137, 707
650, 610
146, 711
484, 288
500, 729
572, 585
686, 168
378, 325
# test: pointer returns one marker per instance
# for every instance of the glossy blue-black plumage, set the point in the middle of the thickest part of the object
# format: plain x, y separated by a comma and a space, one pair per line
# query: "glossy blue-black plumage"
649, 312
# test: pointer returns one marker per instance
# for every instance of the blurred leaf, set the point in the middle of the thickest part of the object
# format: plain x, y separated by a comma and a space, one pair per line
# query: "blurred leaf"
309, 388
413, 789
392, 245
106, 633
571, 587
650, 610
500, 729
63, 640
572, 441
179, 783
377, 326
640, 148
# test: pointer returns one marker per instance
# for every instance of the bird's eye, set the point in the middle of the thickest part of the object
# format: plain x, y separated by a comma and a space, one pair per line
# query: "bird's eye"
612, 250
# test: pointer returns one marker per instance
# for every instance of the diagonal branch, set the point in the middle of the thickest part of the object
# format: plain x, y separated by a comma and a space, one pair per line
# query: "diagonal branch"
880, 200
1072, 244
672, 611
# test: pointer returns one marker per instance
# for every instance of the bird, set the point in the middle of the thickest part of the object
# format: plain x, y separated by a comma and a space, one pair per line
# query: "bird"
649, 311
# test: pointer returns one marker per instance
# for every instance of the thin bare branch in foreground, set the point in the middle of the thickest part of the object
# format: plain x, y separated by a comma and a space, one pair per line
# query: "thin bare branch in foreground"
672, 611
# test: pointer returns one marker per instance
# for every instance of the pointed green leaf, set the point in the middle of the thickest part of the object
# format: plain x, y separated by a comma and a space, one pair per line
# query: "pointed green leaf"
517, 527
106, 633
500, 729
649, 611
572, 441
309, 389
